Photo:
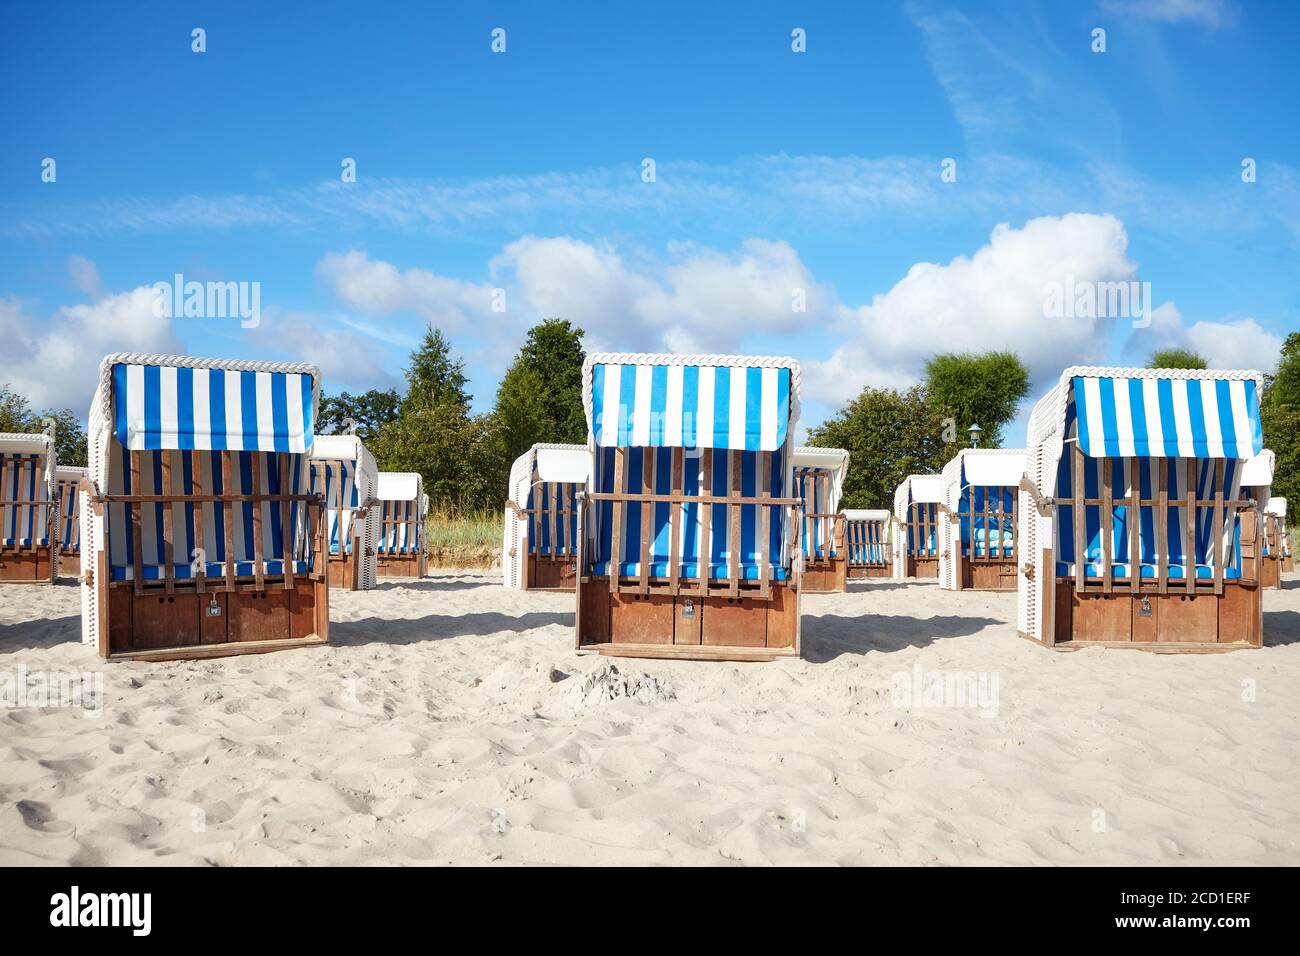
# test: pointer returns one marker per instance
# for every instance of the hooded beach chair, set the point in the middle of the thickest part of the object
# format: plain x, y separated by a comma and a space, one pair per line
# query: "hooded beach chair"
67, 489
1277, 507
28, 509
200, 535
400, 513
977, 533
917, 505
689, 535
1135, 529
540, 543
1276, 548
819, 481
344, 473
867, 541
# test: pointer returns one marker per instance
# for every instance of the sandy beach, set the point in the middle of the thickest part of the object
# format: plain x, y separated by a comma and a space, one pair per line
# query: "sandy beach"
452, 722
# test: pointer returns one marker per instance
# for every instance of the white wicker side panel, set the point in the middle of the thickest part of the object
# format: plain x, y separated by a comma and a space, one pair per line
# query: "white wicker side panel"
370, 556
514, 532
897, 547
1027, 587
947, 566
92, 526
92, 543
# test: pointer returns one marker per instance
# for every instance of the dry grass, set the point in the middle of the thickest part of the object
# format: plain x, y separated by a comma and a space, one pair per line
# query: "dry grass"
464, 539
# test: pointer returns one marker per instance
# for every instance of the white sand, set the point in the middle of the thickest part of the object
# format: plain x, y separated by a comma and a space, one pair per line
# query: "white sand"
451, 721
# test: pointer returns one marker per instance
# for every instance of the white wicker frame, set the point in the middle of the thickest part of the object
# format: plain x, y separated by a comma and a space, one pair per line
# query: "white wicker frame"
948, 537
1045, 442
366, 478
903, 498
514, 537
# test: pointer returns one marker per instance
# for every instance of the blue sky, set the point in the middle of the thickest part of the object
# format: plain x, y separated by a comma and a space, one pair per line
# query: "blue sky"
522, 171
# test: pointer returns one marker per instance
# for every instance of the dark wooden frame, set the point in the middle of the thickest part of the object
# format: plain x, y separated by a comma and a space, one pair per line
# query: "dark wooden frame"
1188, 615
827, 574
174, 619
406, 564
69, 557
865, 534
917, 528
31, 563
987, 573
343, 569
1270, 565
551, 569
703, 619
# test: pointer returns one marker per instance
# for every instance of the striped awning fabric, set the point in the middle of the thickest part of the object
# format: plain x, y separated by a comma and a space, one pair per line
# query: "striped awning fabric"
740, 407
169, 407
1168, 418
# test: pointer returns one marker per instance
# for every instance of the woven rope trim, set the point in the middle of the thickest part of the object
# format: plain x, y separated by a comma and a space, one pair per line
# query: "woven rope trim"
188, 361
715, 361
26, 436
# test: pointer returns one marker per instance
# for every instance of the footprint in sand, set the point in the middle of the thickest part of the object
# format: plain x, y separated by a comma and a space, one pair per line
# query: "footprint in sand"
39, 817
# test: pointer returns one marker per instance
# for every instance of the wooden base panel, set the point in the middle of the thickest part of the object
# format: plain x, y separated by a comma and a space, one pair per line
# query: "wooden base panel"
713, 627
70, 565
923, 567
550, 574
860, 573
682, 652
401, 566
1169, 622
825, 577
341, 572
185, 624
988, 575
26, 566
1270, 571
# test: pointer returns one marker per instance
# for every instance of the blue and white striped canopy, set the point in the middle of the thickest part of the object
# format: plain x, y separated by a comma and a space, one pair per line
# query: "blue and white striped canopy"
1168, 418
690, 406
168, 407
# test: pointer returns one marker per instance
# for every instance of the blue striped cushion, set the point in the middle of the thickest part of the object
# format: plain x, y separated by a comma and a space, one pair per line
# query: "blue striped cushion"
183, 572
690, 570
1148, 571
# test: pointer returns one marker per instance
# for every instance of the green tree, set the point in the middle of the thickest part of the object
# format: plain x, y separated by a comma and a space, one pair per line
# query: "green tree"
435, 434
984, 390
69, 437
15, 413
1284, 385
368, 412
888, 435
540, 397
1280, 415
434, 376
1176, 358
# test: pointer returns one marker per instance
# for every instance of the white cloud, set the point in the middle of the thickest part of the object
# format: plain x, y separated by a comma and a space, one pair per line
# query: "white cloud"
1208, 13
56, 364
1236, 344
993, 299
700, 299
378, 287
346, 359
85, 276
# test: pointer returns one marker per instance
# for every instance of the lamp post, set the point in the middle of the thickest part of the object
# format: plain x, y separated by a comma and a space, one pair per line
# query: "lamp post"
975, 431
